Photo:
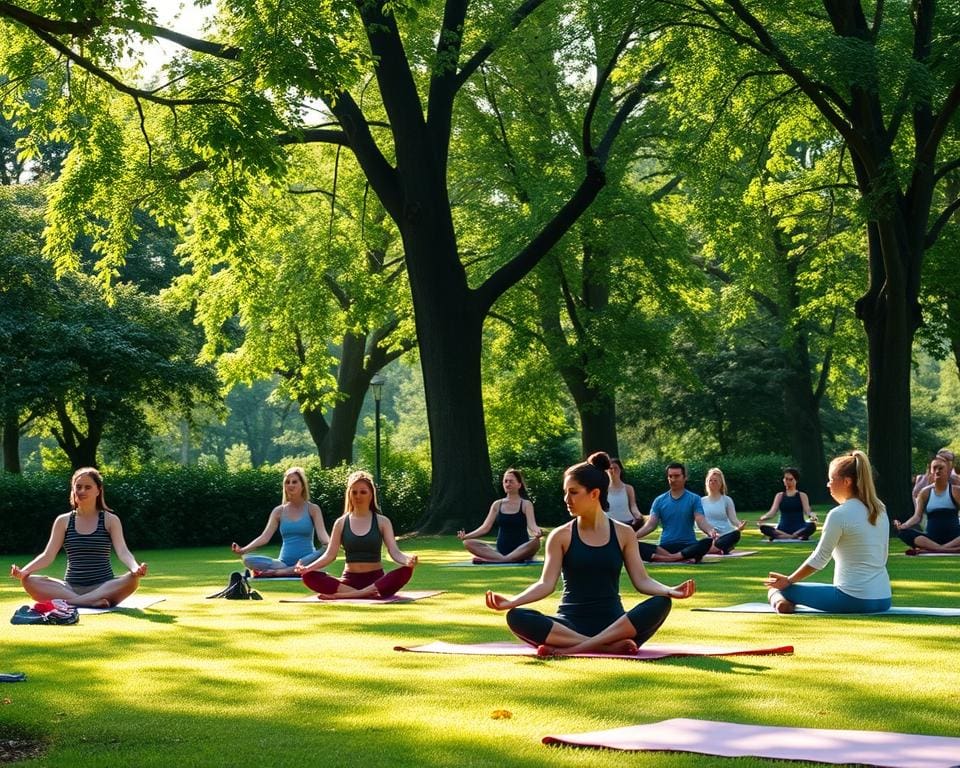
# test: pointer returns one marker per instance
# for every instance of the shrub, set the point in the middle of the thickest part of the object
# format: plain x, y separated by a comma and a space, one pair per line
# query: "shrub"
191, 506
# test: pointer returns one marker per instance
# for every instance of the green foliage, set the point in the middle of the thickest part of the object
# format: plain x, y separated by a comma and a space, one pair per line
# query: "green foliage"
193, 506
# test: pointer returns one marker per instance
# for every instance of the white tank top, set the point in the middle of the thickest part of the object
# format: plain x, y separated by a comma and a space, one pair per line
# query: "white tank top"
619, 505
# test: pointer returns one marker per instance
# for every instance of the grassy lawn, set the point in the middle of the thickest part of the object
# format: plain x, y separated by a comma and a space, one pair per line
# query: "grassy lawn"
197, 682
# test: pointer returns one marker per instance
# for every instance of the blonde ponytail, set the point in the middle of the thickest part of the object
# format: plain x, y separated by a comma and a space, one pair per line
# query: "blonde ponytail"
857, 467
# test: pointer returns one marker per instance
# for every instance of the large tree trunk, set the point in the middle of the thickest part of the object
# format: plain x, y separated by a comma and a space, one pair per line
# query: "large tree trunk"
449, 330
891, 315
11, 443
597, 410
353, 380
80, 448
802, 411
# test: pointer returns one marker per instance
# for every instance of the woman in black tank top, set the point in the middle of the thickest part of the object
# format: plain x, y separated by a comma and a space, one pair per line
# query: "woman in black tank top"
362, 531
517, 524
797, 520
87, 533
590, 551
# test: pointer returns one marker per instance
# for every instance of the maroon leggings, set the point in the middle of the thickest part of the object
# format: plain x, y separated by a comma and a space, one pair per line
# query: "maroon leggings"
387, 585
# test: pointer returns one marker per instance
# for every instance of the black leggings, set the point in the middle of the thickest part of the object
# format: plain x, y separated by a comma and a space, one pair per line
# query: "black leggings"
805, 532
533, 627
727, 542
694, 551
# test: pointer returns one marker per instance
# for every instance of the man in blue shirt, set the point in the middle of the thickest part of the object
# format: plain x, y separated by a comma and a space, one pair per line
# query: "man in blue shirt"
677, 510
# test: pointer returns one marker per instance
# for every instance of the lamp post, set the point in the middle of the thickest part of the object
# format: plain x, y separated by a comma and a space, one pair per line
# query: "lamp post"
376, 385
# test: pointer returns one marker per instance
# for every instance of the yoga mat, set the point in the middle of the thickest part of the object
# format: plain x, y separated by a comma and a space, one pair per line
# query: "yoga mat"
790, 541
706, 558
264, 579
466, 563
132, 603
934, 554
895, 611
836, 747
646, 653
400, 597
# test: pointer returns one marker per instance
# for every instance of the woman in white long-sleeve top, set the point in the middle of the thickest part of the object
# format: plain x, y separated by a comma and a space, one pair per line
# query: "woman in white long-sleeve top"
856, 535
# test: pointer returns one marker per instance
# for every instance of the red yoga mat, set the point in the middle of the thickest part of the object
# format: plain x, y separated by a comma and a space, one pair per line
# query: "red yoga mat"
646, 653
835, 747
400, 597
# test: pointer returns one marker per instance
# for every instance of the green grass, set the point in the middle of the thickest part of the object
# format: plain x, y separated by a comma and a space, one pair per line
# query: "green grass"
198, 682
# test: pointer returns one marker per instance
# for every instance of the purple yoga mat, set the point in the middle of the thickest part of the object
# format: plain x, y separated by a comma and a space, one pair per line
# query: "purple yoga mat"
647, 652
400, 597
706, 737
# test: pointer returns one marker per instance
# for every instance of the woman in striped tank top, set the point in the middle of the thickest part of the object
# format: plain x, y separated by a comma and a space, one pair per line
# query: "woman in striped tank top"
87, 533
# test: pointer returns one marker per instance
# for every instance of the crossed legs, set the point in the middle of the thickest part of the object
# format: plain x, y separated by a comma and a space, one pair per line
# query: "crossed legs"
104, 595
489, 554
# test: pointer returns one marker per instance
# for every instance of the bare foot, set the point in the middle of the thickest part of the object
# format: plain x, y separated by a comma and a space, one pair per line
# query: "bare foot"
620, 648
783, 606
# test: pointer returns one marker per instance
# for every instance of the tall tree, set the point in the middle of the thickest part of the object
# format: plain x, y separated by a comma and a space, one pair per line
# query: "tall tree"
321, 263
886, 80
231, 108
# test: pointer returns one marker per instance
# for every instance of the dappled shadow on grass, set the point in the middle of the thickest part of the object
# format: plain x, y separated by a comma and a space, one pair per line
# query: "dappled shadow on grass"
290, 684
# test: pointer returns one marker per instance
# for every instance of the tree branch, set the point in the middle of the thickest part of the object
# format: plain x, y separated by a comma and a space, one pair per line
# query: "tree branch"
942, 220
483, 53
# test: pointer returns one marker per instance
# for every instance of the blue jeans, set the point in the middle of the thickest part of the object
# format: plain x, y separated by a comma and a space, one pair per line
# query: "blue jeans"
826, 597
264, 563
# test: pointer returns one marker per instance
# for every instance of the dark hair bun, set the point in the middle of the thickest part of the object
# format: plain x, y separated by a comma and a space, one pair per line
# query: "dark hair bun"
600, 459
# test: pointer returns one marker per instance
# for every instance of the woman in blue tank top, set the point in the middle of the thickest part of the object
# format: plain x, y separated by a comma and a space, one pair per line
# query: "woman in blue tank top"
297, 519
516, 525
590, 552
363, 532
797, 521
940, 502
87, 533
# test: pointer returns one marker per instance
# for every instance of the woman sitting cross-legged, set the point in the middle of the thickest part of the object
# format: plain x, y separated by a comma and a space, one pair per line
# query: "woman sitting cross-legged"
590, 552
941, 504
515, 521
297, 519
720, 512
87, 534
856, 535
796, 521
362, 531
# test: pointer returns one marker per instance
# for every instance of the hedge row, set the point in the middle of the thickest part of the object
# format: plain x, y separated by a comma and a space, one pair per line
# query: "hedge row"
188, 506
208, 506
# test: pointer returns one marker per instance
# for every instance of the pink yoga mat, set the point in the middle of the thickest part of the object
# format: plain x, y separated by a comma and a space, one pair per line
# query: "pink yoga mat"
400, 597
647, 652
879, 748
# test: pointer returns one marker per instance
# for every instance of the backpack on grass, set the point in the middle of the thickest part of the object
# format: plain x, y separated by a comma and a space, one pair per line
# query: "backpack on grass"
238, 588
47, 612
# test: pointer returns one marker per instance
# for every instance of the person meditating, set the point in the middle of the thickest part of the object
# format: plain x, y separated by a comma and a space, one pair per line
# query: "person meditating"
362, 531
87, 533
941, 504
621, 497
721, 513
797, 521
518, 535
590, 552
856, 535
297, 520
678, 509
